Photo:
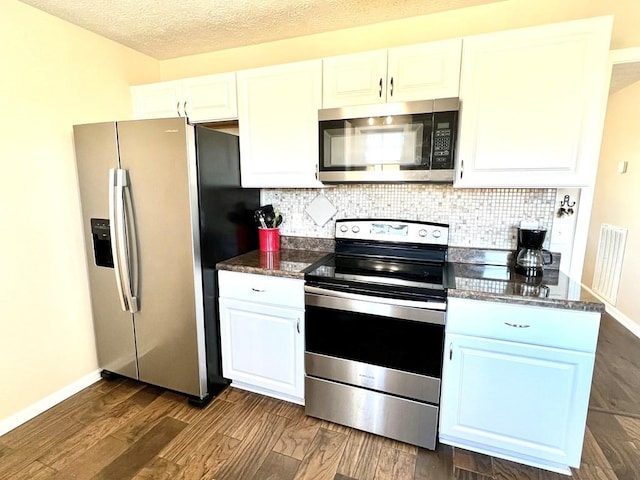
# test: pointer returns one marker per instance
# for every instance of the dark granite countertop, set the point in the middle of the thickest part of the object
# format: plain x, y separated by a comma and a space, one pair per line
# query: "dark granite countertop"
283, 263
499, 283
469, 276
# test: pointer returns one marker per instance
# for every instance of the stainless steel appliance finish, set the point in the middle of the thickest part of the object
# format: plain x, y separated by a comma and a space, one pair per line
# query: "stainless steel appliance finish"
139, 186
395, 142
385, 109
374, 331
373, 377
375, 412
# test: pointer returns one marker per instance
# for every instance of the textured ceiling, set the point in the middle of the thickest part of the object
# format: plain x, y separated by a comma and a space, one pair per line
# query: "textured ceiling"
164, 29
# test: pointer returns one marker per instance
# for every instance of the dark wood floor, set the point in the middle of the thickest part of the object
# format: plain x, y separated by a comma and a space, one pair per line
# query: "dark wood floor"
123, 430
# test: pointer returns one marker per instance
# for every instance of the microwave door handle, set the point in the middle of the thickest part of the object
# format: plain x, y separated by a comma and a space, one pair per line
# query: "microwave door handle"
114, 232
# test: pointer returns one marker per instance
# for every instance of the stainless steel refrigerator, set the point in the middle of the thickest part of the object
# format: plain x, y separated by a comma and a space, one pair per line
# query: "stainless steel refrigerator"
161, 204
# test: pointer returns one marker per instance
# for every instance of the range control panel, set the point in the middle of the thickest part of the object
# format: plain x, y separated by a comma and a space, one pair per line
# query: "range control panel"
398, 231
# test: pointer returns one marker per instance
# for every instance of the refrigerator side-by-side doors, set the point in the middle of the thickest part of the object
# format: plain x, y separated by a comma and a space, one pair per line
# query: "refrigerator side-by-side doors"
157, 156
97, 153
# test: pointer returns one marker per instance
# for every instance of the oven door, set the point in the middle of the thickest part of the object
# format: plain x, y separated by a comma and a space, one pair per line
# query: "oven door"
395, 349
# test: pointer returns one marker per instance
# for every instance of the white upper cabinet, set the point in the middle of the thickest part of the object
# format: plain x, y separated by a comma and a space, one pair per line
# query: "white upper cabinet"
208, 98
533, 103
278, 121
416, 72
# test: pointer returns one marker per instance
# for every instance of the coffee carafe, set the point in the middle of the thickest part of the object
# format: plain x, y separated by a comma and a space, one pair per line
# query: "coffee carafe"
530, 257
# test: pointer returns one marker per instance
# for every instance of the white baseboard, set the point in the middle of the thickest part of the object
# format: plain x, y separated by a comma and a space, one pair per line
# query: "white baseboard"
46, 403
622, 319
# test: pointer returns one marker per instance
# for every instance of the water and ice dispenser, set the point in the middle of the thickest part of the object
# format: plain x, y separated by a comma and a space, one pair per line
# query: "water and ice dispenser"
101, 234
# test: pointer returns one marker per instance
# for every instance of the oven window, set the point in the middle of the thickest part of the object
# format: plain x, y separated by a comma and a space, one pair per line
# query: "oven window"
400, 344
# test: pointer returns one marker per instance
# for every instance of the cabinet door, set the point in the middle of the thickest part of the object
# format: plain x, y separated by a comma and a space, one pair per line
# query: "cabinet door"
359, 79
211, 98
157, 100
533, 105
263, 347
420, 72
278, 120
514, 399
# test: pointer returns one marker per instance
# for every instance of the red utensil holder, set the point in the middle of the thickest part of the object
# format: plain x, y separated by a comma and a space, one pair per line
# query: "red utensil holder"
269, 239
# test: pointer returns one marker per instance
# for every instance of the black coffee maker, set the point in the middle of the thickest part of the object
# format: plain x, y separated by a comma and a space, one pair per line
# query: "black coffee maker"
530, 257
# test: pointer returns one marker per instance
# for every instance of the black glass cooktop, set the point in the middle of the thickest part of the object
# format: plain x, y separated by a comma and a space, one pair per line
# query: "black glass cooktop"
392, 278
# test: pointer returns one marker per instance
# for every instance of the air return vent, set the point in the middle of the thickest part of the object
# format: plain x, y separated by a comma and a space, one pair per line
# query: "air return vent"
606, 277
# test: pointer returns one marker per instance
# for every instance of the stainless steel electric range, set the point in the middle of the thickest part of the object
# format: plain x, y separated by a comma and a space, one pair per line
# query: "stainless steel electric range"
375, 314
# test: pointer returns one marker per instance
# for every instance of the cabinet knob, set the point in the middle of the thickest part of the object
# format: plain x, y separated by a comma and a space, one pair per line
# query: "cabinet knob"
391, 91
298, 325
178, 108
380, 88
184, 107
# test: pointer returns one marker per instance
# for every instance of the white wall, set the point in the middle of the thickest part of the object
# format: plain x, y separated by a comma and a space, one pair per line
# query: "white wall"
617, 196
54, 75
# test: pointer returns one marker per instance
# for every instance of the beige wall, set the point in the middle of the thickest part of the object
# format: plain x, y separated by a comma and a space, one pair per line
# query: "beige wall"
485, 18
54, 75
617, 196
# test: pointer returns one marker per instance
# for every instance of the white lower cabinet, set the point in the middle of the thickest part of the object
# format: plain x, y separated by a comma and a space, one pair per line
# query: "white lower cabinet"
514, 399
263, 343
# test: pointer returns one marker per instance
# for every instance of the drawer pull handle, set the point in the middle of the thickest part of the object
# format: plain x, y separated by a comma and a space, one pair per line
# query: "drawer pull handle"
516, 325
258, 290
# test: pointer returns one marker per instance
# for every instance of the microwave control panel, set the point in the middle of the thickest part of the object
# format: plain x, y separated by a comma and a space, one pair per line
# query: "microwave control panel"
444, 127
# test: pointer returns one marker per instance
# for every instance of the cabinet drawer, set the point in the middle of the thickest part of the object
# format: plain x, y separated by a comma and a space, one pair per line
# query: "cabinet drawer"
551, 327
283, 292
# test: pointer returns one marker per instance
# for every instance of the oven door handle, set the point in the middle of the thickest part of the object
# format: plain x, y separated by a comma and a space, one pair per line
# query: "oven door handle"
383, 307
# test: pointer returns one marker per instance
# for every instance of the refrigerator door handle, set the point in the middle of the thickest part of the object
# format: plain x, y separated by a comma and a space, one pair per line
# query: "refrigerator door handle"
114, 232
132, 243
124, 244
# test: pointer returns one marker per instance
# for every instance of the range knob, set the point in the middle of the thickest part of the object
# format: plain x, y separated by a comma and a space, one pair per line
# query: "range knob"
355, 229
343, 228
436, 233
422, 232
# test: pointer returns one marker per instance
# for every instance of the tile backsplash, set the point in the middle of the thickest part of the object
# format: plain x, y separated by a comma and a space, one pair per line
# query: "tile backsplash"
480, 217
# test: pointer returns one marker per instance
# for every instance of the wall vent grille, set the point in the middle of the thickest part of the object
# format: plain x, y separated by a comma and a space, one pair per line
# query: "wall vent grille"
606, 277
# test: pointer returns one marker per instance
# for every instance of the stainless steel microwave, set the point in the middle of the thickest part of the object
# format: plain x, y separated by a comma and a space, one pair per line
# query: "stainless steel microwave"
393, 142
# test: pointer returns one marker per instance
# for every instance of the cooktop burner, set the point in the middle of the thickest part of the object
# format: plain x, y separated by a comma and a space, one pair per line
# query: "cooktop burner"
387, 258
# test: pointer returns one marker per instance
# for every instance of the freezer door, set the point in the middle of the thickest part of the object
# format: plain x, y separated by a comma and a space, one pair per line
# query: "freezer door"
159, 158
96, 153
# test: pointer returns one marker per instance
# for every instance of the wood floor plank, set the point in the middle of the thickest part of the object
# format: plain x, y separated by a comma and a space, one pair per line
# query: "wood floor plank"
506, 470
394, 464
28, 451
631, 426
432, 464
204, 462
199, 434
35, 471
91, 461
254, 448
360, 457
472, 462
145, 419
143, 451
592, 453
159, 469
107, 402
593, 472
623, 456
277, 467
248, 417
66, 452
322, 459
297, 436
